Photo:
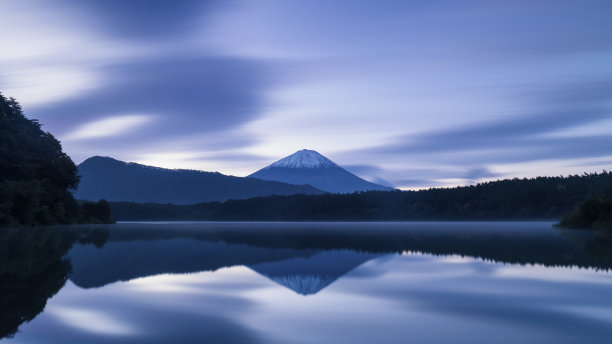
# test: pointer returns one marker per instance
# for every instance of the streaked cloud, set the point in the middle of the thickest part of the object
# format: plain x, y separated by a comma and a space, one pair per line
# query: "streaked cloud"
108, 127
40, 85
424, 93
201, 94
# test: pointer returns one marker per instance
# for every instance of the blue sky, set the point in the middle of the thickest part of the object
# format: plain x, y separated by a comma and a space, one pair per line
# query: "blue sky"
408, 93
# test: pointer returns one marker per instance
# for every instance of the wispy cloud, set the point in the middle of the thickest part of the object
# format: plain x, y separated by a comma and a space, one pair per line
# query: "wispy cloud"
108, 127
461, 91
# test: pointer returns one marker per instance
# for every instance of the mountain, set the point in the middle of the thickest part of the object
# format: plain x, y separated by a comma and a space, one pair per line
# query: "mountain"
309, 167
114, 180
541, 198
310, 274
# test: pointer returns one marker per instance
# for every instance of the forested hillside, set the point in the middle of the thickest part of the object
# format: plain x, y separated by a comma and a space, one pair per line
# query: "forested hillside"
36, 176
542, 198
595, 213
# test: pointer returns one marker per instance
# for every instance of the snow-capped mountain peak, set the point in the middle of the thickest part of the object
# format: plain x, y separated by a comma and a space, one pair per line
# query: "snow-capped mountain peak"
309, 167
304, 159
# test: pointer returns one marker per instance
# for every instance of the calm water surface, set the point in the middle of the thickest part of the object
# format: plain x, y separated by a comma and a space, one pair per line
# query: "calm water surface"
305, 283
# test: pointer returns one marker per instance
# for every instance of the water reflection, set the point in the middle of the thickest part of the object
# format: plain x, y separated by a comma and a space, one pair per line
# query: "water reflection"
309, 275
308, 257
302, 258
33, 268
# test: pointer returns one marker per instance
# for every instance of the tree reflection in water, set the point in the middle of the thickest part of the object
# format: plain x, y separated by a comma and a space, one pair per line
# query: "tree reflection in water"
33, 267
35, 263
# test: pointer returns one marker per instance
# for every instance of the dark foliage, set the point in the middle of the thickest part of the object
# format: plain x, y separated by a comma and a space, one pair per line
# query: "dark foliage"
36, 176
542, 198
95, 212
33, 268
596, 213
224, 245
130, 211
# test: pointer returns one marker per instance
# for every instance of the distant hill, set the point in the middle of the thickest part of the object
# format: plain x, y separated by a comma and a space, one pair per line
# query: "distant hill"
114, 180
542, 198
310, 167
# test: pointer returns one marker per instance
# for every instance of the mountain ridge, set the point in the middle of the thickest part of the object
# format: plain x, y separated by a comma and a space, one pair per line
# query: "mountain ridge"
116, 180
310, 167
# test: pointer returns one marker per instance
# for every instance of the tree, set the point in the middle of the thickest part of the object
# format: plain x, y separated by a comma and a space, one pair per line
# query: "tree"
36, 176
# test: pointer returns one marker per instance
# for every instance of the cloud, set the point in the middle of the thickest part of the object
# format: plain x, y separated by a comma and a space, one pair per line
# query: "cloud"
422, 177
192, 95
498, 135
521, 138
107, 127
561, 125
370, 173
387, 83
364, 169
144, 19
41, 85
473, 175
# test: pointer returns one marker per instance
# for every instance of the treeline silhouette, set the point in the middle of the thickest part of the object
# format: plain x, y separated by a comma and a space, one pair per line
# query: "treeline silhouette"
595, 213
34, 267
36, 176
541, 198
510, 242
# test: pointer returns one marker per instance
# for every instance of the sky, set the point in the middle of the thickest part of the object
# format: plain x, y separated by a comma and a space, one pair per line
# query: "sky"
412, 94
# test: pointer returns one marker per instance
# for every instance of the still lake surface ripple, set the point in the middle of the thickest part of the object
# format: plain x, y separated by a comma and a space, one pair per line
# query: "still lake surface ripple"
417, 282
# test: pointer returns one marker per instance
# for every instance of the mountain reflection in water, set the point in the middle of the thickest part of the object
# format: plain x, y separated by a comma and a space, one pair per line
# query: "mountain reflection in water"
303, 257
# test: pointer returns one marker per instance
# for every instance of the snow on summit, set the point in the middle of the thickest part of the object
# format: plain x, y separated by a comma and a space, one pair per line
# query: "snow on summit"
309, 167
304, 159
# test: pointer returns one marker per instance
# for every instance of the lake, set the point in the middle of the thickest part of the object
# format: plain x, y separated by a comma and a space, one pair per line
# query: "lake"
417, 282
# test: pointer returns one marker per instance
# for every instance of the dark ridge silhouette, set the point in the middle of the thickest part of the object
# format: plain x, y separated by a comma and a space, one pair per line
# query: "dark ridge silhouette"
36, 176
596, 213
542, 198
114, 180
310, 167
